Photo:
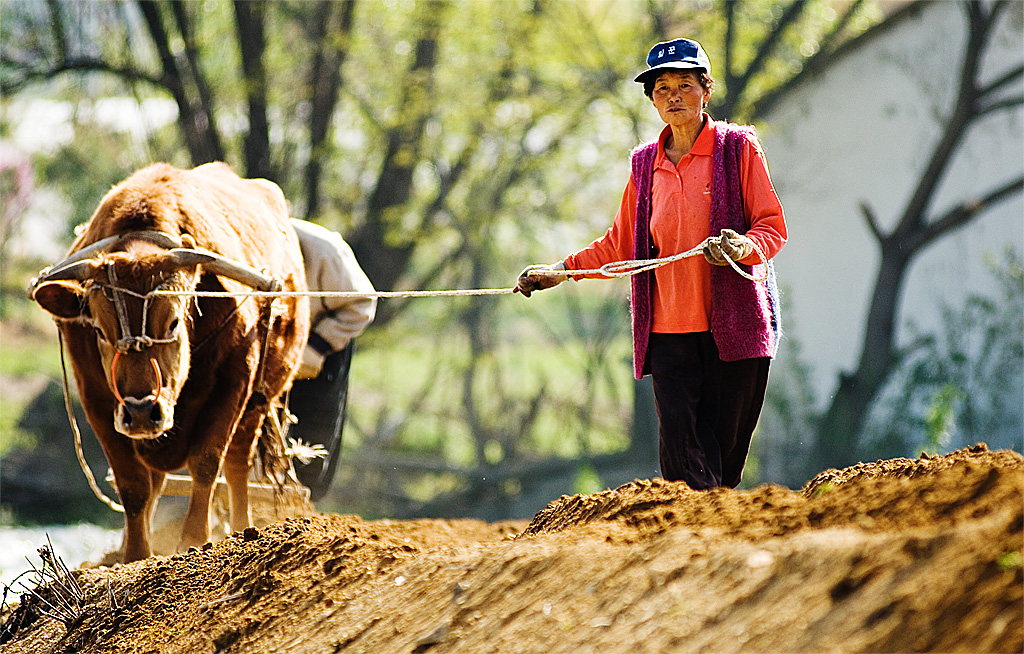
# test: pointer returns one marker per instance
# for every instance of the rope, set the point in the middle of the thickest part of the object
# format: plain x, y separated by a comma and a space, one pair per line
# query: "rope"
611, 270
349, 294
78, 435
635, 266
127, 340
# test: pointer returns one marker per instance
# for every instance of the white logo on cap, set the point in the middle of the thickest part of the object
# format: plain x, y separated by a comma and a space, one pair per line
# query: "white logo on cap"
671, 49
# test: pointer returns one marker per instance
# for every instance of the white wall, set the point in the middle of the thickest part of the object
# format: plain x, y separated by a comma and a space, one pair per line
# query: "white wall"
862, 133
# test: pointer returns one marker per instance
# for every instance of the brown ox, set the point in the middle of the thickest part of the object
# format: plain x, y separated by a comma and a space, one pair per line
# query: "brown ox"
172, 381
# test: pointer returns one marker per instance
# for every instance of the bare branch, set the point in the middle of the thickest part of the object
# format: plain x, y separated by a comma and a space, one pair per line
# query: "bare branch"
81, 65
737, 83
999, 105
828, 41
1006, 78
964, 212
821, 60
962, 114
790, 16
871, 220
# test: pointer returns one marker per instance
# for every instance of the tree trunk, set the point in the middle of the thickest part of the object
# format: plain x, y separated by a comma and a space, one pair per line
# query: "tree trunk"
378, 244
839, 431
250, 16
203, 143
205, 116
332, 29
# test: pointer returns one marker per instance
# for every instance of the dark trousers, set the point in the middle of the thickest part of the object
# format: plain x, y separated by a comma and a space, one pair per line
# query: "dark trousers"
707, 408
319, 404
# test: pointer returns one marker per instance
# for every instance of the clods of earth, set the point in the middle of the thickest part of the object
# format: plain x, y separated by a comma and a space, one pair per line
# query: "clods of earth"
904, 555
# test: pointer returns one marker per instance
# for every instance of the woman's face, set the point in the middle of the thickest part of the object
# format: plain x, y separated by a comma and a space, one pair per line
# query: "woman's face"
679, 98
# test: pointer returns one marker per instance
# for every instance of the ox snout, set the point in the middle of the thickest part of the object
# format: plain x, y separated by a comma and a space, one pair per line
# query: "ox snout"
145, 418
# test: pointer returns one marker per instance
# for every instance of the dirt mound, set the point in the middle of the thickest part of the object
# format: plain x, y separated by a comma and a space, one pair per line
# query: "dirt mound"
901, 555
886, 495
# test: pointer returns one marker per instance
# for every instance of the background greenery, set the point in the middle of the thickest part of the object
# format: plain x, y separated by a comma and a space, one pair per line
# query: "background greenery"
452, 144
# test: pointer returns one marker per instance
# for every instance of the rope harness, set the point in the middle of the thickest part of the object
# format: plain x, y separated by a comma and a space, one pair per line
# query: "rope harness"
128, 341
139, 343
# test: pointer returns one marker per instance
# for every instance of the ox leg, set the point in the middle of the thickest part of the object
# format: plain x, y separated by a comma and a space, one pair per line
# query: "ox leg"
204, 463
156, 478
236, 468
135, 490
195, 530
131, 477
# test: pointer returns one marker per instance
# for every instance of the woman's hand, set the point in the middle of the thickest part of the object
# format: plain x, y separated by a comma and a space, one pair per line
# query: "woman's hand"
730, 246
538, 278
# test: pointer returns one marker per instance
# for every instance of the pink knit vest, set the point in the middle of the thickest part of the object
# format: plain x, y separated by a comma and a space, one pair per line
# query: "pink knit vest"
744, 314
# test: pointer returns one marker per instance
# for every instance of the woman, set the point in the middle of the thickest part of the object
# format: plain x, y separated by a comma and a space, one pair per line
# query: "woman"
704, 333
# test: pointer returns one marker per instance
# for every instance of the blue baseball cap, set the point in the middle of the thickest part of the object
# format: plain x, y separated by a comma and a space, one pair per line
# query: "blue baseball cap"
680, 54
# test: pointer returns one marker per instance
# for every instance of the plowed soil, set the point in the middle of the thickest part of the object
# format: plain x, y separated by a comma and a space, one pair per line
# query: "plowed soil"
900, 555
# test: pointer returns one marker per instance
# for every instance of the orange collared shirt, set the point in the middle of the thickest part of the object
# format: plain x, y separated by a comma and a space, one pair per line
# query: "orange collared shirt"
680, 220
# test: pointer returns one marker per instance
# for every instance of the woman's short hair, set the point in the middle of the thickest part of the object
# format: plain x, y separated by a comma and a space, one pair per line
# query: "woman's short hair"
707, 82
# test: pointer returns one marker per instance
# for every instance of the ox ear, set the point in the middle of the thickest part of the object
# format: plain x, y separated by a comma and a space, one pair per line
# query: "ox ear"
64, 299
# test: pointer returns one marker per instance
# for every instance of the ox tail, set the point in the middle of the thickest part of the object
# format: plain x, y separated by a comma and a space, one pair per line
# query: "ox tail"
272, 464
271, 461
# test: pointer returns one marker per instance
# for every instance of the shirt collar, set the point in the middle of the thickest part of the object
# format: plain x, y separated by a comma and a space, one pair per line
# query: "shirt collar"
704, 145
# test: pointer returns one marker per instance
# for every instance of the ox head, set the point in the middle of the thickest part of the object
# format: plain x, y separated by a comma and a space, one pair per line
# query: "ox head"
142, 337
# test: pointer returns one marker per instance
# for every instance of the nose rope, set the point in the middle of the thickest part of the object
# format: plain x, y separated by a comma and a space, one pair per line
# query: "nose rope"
127, 340
113, 379
159, 380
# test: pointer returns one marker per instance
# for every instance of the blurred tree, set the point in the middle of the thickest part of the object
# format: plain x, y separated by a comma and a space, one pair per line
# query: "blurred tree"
450, 143
963, 384
920, 226
232, 101
17, 183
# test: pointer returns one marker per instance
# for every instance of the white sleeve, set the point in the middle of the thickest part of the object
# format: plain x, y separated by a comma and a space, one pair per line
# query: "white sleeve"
331, 266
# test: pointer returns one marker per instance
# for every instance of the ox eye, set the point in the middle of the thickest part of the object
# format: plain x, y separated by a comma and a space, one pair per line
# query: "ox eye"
99, 335
174, 327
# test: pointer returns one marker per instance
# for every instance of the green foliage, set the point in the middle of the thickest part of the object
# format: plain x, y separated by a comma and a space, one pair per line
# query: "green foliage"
940, 419
508, 147
11, 436
964, 383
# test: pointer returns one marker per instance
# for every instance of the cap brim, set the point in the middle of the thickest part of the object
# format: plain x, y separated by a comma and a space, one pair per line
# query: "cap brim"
672, 65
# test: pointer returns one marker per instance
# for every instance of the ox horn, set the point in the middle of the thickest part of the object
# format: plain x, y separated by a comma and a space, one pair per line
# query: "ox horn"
77, 264
218, 265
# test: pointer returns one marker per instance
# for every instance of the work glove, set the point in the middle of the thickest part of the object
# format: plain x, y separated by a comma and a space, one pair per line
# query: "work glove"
730, 246
529, 281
